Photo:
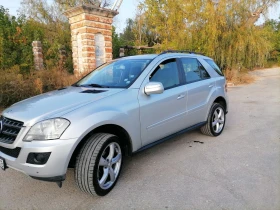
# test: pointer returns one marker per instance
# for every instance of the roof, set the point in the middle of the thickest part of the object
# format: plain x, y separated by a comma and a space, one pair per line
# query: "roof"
147, 56
152, 56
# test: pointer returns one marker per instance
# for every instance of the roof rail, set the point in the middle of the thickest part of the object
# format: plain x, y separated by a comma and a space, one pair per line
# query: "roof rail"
180, 51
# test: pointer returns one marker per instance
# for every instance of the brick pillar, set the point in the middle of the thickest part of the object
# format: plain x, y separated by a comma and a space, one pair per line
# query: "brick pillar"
91, 35
38, 55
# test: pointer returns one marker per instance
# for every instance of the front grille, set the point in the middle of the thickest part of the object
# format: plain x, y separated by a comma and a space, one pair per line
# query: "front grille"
10, 130
11, 152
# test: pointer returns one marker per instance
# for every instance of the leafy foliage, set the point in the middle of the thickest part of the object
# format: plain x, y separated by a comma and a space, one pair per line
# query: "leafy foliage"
17, 35
274, 25
10, 39
218, 29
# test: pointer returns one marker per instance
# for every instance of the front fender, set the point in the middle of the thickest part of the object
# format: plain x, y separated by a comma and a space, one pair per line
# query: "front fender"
130, 122
121, 109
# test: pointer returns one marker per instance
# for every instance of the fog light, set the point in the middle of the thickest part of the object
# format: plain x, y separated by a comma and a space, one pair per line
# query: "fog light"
38, 158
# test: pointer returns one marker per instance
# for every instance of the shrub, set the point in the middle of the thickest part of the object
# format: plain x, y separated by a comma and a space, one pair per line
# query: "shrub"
239, 77
17, 84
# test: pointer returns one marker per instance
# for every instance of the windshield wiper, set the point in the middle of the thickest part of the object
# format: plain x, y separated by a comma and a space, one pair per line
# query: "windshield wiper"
75, 85
94, 85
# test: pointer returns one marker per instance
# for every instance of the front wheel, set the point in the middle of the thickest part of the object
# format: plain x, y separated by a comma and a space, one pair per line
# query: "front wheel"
99, 164
215, 122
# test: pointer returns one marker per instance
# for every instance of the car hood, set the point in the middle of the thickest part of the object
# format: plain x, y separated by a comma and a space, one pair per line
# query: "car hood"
55, 103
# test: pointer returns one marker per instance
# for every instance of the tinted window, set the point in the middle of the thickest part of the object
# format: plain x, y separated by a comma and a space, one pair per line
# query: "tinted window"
167, 74
214, 66
193, 69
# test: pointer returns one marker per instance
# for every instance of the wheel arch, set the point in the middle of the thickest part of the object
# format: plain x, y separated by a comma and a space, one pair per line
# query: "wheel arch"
114, 129
221, 100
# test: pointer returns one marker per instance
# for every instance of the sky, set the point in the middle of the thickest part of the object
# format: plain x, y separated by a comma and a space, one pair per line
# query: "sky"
127, 10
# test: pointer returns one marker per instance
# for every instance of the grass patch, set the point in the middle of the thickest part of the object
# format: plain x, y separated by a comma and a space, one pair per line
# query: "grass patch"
239, 77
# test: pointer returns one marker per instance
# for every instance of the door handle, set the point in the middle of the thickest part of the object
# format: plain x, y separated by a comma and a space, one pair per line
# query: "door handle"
180, 97
210, 86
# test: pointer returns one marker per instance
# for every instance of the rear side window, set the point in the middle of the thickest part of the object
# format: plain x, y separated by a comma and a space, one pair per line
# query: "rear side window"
214, 66
193, 70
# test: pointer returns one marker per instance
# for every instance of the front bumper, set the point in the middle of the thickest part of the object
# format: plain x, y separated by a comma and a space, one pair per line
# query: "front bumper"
56, 166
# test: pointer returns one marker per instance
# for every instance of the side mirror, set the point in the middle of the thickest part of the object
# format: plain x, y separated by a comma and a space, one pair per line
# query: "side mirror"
154, 88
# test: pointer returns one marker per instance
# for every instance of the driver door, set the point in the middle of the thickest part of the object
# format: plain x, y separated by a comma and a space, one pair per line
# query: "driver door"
163, 114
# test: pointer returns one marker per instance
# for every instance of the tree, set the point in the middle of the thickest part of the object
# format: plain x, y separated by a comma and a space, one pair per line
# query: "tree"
15, 40
127, 37
220, 30
274, 25
142, 32
53, 30
116, 42
8, 30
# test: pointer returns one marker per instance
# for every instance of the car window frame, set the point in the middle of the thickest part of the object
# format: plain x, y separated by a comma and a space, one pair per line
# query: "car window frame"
180, 71
204, 69
218, 71
183, 71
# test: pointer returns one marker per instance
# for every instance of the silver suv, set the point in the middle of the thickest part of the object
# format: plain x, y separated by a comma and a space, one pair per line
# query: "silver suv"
121, 108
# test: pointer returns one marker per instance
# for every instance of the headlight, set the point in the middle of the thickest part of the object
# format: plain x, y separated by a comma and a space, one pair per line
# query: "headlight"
47, 130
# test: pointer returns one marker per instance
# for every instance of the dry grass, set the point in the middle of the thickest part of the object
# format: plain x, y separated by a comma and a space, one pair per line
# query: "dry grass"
16, 86
239, 77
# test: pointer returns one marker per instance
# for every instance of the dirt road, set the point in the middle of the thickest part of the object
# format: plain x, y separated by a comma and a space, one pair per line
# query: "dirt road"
238, 170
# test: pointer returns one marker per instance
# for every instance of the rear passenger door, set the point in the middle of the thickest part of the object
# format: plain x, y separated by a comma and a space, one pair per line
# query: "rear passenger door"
199, 88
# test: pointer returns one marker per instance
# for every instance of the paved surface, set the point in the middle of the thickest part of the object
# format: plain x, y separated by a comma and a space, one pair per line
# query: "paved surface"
238, 170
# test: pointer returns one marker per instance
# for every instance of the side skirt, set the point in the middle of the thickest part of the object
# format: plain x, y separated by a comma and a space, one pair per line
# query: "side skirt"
198, 125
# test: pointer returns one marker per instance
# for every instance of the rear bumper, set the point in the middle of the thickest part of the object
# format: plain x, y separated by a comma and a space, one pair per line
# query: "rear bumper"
56, 166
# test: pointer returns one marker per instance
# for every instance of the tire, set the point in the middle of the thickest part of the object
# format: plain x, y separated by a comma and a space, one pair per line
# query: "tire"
99, 164
215, 122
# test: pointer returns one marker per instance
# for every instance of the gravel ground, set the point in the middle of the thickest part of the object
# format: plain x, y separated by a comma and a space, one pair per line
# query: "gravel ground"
238, 170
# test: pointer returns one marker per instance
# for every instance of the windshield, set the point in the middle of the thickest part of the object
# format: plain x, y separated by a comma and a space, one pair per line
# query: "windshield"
116, 74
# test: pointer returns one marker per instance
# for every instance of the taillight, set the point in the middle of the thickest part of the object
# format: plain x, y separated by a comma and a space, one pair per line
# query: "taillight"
226, 87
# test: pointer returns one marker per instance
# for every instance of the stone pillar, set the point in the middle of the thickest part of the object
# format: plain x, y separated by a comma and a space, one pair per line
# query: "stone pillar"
38, 55
91, 35
62, 58
122, 52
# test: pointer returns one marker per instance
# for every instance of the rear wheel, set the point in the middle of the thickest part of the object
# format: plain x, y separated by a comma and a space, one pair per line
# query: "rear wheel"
215, 121
99, 164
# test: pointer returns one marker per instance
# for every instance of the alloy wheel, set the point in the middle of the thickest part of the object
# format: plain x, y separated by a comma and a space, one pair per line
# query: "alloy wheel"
218, 120
109, 165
